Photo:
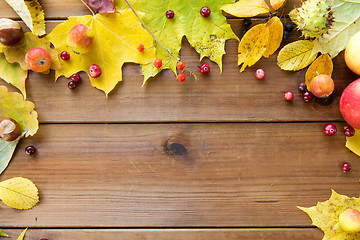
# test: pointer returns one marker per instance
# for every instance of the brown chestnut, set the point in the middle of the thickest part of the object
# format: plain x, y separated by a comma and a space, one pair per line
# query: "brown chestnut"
9, 129
10, 31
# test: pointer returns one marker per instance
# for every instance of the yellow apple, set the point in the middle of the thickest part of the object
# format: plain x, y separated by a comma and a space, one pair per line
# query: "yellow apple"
352, 53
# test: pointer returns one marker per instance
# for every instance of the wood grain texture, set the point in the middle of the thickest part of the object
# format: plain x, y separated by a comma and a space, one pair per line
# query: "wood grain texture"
229, 96
174, 234
224, 175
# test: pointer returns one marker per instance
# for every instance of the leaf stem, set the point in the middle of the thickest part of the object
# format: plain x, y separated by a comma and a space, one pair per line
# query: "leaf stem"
92, 12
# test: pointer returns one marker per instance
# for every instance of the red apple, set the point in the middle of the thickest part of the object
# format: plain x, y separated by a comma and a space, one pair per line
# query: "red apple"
349, 220
80, 39
350, 104
322, 85
38, 59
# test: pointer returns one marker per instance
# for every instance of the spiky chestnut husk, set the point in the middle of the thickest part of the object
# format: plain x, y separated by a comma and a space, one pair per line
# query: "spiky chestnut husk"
314, 18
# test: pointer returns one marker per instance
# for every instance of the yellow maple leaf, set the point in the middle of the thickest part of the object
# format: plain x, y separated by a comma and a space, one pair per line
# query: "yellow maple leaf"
353, 143
117, 37
246, 8
322, 65
276, 30
276, 4
16, 53
296, 55
253, 45
325, 215
19, 193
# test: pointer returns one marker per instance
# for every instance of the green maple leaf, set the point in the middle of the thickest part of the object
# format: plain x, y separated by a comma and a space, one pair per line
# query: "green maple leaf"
206, 35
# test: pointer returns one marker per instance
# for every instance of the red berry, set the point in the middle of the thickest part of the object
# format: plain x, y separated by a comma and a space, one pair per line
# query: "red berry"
65, 55
204, 69
349, 131
180, 65
329, 129
289, 95
260, 73
75, 77
302, 87
94, 71
140, 48
181, 77
346, 167
205, 11
44, 239
30, 150
72, 85
308, 96
170, 14
158, 63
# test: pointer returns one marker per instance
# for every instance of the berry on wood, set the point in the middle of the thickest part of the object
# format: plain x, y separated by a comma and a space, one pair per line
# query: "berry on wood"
204, 69
181, 77
180, 65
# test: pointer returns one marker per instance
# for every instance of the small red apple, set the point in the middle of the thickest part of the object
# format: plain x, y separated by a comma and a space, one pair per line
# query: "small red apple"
322, 85
38, 59
349, 221
80, 38
350, 104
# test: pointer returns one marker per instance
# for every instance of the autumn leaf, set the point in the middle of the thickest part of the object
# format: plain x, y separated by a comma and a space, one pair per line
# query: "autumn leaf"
22, 235
117, 37
206, 35
6, 151
2, 234
12, 73
296, 55
276, 30
353, 143
101, 6
12, 105
347, 23
246, 8
31, 13
16, 53
276, 4
253, 45
322, 65
325, 215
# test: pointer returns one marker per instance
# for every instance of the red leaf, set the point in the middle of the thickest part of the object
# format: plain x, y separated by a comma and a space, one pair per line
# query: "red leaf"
102, 6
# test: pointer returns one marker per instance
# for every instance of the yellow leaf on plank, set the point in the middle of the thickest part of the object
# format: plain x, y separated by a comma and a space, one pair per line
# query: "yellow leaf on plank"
276, 4
22, 235
253, 45
296, 55
276, 30
353, 143
19, 193
246, 8
322, 65
31, 13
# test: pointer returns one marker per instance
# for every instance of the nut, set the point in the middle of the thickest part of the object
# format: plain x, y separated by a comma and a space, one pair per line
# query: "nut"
9, 129
10, 31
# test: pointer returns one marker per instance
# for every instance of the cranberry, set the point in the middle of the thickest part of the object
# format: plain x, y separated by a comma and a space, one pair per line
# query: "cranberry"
329, 129
75, 77
308, 96
204, 69
94, 71
170, 14
205, 11
30, 150
260, 73
349, 131
65, 55
302, 87
181, 77
289, 96
345, 167
72, 85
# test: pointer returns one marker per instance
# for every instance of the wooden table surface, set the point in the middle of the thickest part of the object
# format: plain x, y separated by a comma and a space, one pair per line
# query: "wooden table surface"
111, 168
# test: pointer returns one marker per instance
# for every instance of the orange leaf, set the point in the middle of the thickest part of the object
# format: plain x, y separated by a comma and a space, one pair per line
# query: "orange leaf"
276, 4
253, 45
276, 35
246, 8
322, 65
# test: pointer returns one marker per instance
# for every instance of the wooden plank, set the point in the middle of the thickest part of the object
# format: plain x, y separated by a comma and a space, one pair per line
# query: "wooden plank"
55, 9
178, 234
180, 175
230, 96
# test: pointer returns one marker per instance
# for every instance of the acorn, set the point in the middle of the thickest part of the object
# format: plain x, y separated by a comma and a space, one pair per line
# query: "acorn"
9, 129
10, 31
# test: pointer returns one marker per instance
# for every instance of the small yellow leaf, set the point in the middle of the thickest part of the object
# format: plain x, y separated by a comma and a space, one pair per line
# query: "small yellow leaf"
296, 55
22, 235
246, 8
322, 65
19, 193
353, 143
276, 35
253, 45
276, 4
